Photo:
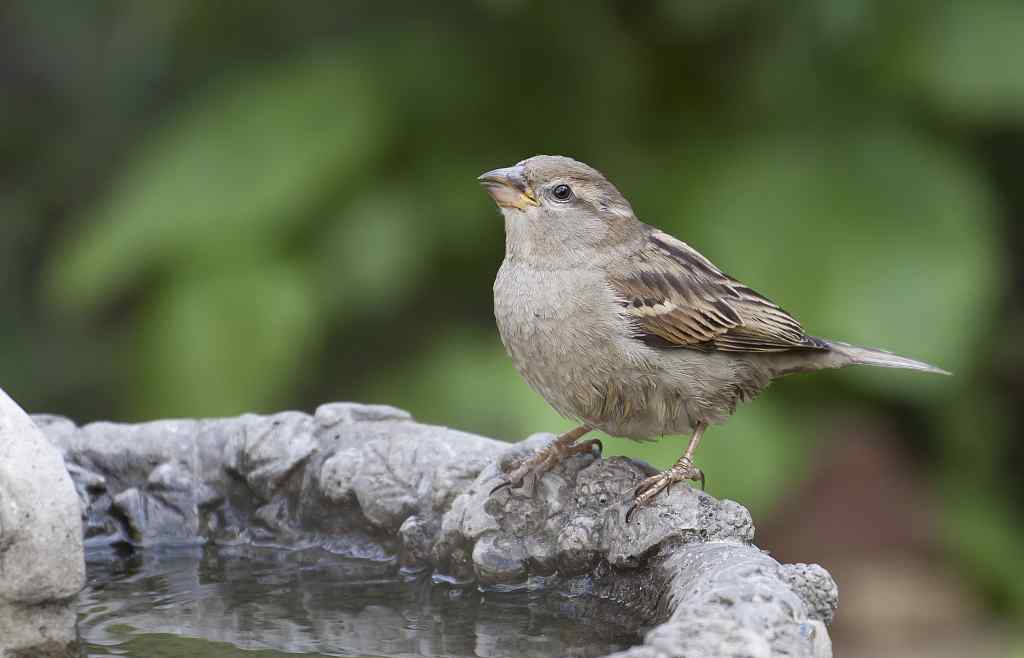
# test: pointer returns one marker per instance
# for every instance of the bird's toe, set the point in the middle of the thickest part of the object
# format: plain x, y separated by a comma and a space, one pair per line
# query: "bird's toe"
501, 485
647, 484
509, 483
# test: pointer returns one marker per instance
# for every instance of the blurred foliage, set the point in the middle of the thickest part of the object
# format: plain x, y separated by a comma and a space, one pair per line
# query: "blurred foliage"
209, 208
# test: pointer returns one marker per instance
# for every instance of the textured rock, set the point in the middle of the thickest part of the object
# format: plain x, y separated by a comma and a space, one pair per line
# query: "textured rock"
367, 481
815, 586
41, 558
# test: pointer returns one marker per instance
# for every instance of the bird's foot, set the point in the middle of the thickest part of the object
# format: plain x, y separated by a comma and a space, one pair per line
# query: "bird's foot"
681, 471
543, 461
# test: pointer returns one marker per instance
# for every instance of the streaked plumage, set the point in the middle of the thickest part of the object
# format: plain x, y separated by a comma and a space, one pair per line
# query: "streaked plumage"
680, 299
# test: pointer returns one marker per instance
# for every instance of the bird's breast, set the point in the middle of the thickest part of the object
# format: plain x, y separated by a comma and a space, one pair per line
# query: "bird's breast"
553, 315
565, 336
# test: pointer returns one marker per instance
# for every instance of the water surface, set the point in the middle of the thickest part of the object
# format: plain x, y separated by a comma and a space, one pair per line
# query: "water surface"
207, 603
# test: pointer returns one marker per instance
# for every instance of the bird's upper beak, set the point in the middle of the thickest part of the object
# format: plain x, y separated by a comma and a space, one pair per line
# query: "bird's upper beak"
508, 188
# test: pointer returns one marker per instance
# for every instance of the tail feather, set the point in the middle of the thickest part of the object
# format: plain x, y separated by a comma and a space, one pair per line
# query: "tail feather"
869, 356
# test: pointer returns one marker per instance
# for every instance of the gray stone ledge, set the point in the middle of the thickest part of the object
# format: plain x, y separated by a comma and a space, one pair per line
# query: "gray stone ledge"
368, 481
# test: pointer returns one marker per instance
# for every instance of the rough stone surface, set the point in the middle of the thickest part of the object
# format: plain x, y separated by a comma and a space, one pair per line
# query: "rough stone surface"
815, 586
42, 566
367, 481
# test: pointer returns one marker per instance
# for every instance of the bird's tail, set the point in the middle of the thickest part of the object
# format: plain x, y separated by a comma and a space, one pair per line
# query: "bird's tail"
846, 354
841, 355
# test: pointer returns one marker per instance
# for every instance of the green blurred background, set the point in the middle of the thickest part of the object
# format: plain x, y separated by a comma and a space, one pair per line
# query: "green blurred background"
215, 207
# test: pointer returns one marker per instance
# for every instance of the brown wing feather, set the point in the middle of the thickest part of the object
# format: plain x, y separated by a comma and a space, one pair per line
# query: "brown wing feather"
678, 298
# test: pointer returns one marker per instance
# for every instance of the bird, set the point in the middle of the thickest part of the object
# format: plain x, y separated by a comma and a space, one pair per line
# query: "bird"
626, 329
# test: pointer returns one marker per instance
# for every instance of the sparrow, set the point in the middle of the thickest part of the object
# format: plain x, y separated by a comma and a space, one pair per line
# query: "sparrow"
625, 329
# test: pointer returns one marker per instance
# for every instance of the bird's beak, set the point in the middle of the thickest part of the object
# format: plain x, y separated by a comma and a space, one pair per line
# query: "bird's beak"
508, 188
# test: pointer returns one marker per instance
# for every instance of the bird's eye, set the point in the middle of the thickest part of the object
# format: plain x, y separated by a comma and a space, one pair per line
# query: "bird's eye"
562, 192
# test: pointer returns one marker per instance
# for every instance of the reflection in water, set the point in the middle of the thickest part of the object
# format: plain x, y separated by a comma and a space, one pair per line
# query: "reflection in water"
206, 603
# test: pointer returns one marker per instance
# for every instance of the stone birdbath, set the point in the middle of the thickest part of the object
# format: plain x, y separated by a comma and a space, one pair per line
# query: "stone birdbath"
362, 480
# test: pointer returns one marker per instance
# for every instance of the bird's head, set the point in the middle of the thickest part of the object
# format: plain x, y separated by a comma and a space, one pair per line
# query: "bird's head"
551, 203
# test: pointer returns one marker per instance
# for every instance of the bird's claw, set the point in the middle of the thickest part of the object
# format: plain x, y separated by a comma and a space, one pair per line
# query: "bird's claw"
648, 489
541, 461
512, 475
505, 484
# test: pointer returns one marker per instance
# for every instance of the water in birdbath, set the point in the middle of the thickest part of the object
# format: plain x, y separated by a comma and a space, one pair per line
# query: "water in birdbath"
262, 603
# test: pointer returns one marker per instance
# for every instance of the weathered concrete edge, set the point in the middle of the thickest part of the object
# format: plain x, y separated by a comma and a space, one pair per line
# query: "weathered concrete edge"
42, 564
425, 488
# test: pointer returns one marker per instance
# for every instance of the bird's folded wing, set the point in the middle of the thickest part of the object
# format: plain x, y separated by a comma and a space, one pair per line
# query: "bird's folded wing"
678, 298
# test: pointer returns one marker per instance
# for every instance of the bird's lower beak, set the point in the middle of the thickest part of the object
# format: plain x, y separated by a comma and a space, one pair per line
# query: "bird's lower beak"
508, 188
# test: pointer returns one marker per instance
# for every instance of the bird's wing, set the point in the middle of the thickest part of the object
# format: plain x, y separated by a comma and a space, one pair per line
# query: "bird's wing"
678, 298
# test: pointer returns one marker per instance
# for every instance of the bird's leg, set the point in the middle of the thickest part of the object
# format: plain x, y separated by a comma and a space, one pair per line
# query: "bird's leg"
544, 459
681, 471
